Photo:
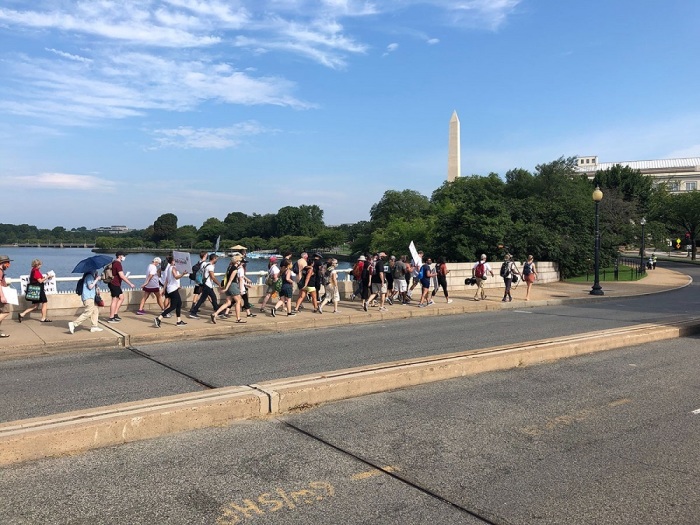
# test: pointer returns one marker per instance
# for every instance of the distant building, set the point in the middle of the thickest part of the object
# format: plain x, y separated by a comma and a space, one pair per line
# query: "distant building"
112, 229
679, 175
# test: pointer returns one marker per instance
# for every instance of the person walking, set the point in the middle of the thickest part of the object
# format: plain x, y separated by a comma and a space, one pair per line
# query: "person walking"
307, 285
332, 293
508, 271
272, 276
208, 284
4, 305
244, 284
115, 286
400, 284
425, 277
480, 271
529, 275
378, 281
232, 292
151, 286
171, 283
91, 312
441, 270
36, 278
286, 291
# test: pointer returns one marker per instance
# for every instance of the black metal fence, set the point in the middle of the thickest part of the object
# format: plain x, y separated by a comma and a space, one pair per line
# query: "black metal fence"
626, 269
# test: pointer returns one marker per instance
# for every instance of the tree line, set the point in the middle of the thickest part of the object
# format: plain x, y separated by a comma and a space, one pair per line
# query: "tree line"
548, 213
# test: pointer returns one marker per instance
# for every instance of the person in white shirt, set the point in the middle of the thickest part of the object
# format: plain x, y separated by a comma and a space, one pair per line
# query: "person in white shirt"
479, 271
171, 282
151, 286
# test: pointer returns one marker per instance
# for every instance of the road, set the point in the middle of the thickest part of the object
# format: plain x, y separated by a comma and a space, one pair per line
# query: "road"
610, 438
48, 385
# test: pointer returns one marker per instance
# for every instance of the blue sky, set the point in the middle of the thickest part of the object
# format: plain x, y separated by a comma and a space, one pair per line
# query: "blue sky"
115, 112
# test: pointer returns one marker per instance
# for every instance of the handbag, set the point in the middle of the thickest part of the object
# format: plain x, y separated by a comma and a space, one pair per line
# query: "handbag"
515, 278
33, 292
98, 300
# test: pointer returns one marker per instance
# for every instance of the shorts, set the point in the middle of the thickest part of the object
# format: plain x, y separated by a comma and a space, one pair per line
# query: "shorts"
4, 308
309, 289
425, 283
197, 289
234, 289
286, 290
270, 290
151, 290
401, 285
379, 288
530, 278
114, 291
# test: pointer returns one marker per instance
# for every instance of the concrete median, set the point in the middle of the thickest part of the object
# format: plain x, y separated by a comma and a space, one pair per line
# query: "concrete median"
75, 432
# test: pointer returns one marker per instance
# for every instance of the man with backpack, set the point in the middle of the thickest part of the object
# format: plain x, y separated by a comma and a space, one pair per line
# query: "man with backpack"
208, 280
113, 275
479, 271
508, 271
378, 282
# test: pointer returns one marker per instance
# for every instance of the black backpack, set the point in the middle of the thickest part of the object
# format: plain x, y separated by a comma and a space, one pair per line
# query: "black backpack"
195, 269
505, 269
81, 284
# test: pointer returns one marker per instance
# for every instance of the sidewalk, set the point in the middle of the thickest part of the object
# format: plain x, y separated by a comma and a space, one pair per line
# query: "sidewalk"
34, 339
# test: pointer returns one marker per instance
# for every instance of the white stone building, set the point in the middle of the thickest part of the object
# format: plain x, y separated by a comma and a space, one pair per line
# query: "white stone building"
678, 174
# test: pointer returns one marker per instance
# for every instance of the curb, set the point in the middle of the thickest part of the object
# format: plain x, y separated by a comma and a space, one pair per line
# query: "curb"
79, 431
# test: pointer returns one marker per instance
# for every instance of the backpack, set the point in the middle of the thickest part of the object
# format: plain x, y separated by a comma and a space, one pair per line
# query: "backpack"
107, 274
81, 284
195, 269
480, 270
357, 270
527, 269
505, 269
201, 275
421, 272
326, 277
295, 268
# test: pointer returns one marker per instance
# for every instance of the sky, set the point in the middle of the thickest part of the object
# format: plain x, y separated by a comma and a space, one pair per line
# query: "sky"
116, 112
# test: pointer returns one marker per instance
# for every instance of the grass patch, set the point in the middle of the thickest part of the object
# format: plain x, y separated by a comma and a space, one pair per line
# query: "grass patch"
624, 273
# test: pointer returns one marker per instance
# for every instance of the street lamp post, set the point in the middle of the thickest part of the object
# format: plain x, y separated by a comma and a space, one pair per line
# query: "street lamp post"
641, 251
597, 289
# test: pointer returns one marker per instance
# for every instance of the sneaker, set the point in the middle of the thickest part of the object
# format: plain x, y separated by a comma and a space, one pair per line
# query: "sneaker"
251, 315
390, 300
291, 313
71, 327
449, 301
364, 307
112, 320
504, 299
431, 302
96, 329
180, 323
320, 310
352, 296
273, 312
117, 317
383, 309
168, 316
140, 312
422, 305
193, 316
213, 318
156, 322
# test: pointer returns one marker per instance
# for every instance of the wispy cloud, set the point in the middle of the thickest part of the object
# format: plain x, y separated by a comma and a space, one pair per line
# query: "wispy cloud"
205, 138
64, 181
391, 48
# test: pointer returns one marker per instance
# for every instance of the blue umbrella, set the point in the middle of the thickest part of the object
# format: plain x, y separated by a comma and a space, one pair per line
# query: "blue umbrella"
91, 264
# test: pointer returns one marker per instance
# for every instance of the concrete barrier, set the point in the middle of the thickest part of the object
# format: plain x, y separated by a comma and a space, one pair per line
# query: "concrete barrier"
78, 431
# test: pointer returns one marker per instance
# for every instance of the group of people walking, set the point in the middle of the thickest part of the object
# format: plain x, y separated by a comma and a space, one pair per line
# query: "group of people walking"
379, 280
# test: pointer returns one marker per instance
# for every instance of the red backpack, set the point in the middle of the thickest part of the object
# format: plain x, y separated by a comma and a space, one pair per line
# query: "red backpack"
480, 270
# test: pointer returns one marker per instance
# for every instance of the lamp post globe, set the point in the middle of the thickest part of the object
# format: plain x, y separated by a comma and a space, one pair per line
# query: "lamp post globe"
597, 289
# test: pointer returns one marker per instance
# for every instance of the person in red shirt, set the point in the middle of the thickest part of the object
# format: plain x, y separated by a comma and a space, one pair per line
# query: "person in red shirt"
37, 278
115, 287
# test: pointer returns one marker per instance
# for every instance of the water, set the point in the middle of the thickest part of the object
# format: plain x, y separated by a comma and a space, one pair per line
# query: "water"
63, 260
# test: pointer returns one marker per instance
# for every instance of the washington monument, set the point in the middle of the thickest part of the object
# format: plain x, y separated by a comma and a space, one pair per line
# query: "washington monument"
454, 160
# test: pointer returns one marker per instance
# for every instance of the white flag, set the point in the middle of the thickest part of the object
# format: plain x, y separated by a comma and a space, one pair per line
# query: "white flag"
417, 260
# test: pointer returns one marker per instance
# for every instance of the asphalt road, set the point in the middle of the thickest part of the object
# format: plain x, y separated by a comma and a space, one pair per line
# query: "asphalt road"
609, 437
48, 385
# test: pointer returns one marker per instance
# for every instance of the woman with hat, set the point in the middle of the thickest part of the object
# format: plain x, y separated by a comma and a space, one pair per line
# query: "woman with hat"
38, 279
232, 291
273, 273
332, 293
151, 286
4, 305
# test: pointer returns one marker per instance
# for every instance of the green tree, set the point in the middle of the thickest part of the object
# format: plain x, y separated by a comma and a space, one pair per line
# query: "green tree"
186, 236
210, 230
406, 204
165, 227
680, 211
329, 238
